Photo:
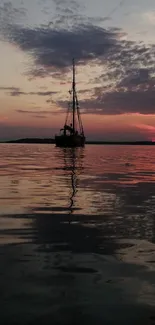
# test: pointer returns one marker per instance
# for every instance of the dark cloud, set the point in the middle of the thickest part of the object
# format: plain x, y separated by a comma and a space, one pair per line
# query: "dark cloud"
121, 102
84, 91
10, 88
66, 14
38, 113
53, 50
10, 14
32, 112
43, 93
134, 94
15, 91
70, 12
126, 82
138, 78
25, 111
65, 22
51, 101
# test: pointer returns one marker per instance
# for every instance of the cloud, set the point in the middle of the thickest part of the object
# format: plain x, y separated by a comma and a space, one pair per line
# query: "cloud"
15, 91
147, 127
134, 94
84, 91
25, 111
136, 77
10, 88
126, 82
10, 14
121, 102
51, 101
53, 49
8, 10
12, 91
68, 7
43, 93
38, 113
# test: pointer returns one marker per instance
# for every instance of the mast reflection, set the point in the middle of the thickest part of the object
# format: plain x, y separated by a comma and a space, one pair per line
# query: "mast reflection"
73, 165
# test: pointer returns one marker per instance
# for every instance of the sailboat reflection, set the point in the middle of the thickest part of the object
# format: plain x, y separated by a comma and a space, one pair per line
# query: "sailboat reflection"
73, 166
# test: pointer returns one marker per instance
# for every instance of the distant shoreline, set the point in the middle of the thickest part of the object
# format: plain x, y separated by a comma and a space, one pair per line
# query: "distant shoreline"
52, 141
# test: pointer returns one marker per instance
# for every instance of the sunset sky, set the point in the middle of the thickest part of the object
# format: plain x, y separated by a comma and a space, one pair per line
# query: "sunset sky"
113, 43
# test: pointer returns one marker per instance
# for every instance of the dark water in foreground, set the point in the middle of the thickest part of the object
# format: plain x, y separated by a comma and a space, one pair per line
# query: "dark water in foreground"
77, 235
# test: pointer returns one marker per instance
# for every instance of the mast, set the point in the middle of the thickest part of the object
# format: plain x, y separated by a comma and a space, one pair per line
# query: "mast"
73, 87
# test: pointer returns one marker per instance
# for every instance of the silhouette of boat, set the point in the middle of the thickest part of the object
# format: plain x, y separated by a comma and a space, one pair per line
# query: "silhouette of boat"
72, 134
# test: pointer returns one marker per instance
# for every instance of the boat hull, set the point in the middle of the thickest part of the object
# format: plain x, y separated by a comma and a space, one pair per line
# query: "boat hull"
69, 141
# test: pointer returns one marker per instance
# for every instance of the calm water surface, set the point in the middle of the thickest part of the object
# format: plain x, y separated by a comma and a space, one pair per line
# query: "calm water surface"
77, 234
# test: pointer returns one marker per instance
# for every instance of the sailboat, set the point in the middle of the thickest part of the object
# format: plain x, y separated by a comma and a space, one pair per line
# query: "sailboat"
72, 134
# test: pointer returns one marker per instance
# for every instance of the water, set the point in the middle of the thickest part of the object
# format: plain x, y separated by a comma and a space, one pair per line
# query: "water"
77, 234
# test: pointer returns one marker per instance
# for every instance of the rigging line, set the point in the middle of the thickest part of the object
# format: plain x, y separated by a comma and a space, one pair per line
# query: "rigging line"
121, 3
80, 123
67, 112
79, 118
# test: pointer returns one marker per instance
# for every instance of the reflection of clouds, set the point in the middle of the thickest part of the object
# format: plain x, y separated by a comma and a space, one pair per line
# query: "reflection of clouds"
32, 178
112, 219
126, 211
94, 202
122, 191
106, 215
97, 185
